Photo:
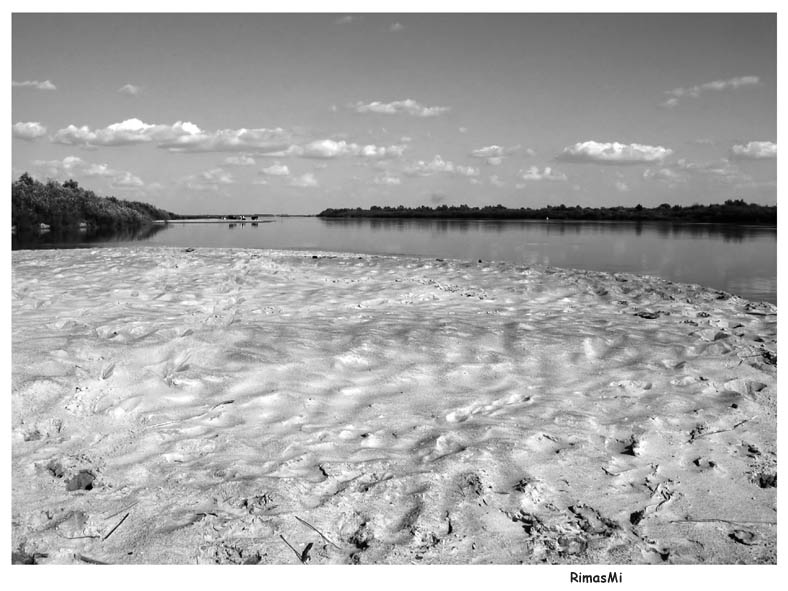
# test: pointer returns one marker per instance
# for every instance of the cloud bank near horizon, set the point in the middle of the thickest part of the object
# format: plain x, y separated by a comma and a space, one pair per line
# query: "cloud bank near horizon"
613, 153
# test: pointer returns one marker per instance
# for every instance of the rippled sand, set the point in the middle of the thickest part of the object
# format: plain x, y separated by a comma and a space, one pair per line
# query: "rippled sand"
246, 406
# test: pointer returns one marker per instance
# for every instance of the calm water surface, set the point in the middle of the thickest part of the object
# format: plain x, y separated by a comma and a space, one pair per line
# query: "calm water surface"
737, 259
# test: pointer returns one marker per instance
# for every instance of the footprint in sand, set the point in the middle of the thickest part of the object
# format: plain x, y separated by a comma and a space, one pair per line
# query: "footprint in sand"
39, 431
542, 442
463, 414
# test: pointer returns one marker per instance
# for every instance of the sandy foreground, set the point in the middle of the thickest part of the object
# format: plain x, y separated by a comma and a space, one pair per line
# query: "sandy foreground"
247, 406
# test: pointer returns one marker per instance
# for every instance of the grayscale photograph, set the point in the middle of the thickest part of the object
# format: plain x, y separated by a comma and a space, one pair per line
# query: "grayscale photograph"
328, 288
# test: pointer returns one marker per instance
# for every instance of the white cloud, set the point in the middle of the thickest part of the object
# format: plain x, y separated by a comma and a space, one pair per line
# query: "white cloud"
328, 148
126, 180
723, 84
344, 20
422, 168
74, 136
305, 180
129, 89
494, 154
667, 175
45, 85
396, 27
754, 151
130, 131
462, 129
29, 130
372, 151
466, 170
56, 168
622, 187
547, 174
73, 166
439, 165
178, 137
494, 180
387, 179
721, 171
218, 176
208, 180
406, 107
488, 151
228, 140
292, 150
613, 153
188, 137
276, 169
715, 86
241, 160
669, 103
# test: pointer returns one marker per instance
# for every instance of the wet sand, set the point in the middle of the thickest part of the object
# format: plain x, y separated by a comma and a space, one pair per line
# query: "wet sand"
248, 406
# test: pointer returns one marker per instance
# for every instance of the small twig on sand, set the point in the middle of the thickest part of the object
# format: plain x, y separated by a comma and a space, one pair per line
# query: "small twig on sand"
221, 404
742, 422
318, 531
116, 527
297, 553
739, 424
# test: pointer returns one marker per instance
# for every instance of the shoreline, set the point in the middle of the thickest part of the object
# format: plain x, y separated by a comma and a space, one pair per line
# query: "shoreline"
426, 257
497, 412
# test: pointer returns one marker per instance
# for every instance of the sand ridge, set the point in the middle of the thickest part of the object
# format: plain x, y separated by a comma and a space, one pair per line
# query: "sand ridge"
249, 406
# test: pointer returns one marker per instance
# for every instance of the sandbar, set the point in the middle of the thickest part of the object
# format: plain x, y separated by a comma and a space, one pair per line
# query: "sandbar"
238, 406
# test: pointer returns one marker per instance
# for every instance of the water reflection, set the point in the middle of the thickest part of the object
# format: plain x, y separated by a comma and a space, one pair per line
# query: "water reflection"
77, 237
726, 232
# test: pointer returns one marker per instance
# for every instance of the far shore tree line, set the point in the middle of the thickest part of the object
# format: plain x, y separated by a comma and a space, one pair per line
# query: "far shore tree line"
732, 211
67, 206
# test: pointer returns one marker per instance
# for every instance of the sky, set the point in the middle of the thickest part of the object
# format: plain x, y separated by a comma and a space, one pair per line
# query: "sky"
295, 113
